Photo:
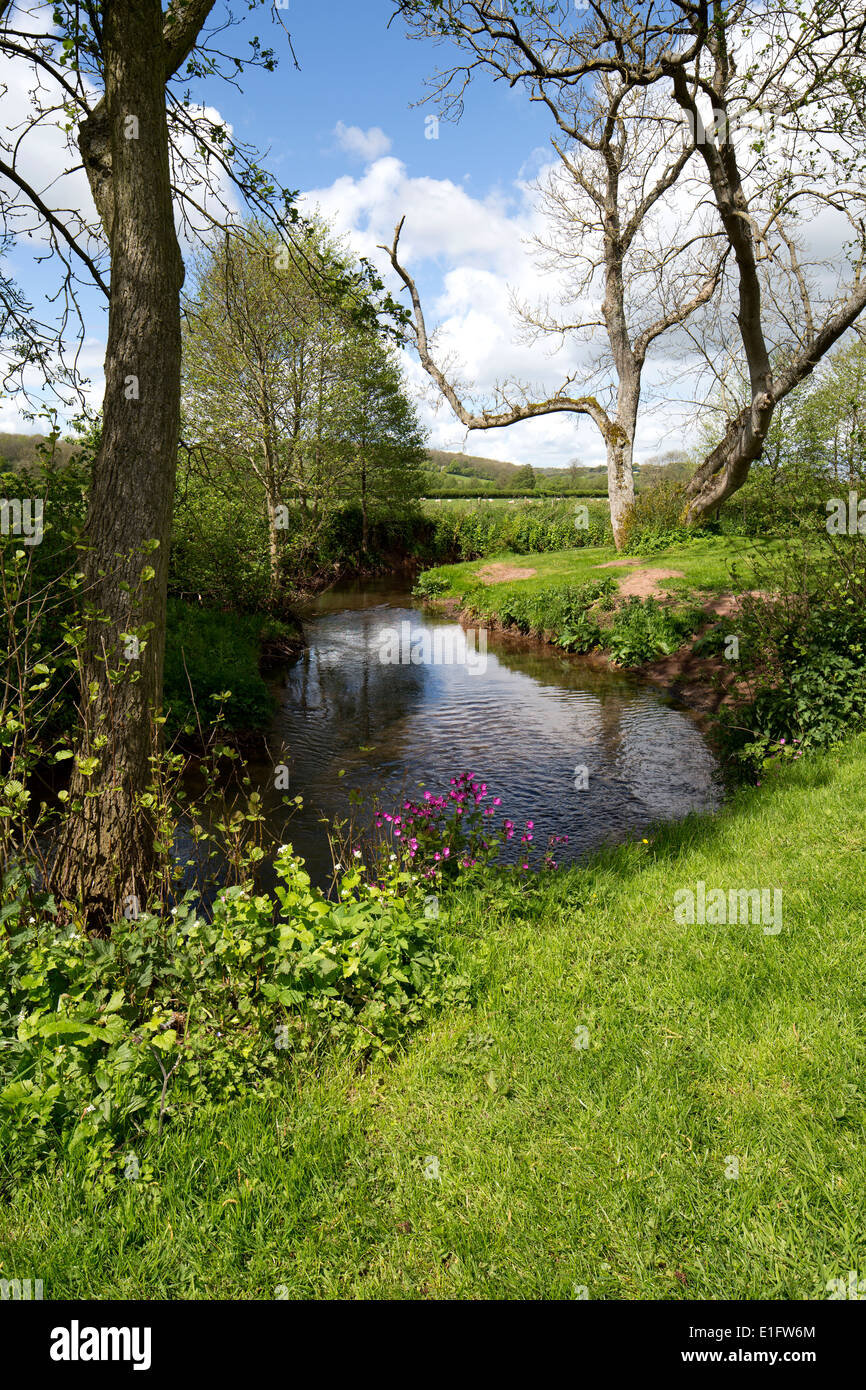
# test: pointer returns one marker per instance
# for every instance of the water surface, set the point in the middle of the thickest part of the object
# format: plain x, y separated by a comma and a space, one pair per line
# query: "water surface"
524, 725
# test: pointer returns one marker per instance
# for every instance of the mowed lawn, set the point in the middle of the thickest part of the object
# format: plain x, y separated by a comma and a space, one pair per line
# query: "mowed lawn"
703, 1138
715, 565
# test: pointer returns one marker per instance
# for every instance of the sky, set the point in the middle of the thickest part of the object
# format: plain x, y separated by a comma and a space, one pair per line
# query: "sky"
345, 130
352, 131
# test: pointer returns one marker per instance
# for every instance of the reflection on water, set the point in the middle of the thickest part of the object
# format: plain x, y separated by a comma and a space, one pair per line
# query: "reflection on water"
523, 725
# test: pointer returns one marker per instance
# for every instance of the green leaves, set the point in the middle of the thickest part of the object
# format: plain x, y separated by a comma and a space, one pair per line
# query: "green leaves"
100, 1040
642, 630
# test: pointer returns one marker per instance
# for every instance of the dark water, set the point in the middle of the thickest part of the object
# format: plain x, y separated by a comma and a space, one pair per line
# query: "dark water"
523, 725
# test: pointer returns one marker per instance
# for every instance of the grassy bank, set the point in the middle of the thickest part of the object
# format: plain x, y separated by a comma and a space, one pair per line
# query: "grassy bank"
713, 565
635, 609
560, 1167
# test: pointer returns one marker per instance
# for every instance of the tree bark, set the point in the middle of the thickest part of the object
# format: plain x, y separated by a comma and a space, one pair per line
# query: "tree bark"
272, 502
619, 443
365, 524
107, 850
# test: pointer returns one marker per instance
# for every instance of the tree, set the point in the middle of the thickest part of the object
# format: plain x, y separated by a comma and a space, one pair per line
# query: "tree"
619, 154
831, 418
379, 428
107, 70
107, 851
524, 477
288, 400
807, 75
261, 369
724, 65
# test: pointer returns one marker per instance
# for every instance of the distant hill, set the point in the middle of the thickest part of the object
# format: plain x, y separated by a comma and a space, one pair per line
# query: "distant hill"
466, 475
451, 471
23, 449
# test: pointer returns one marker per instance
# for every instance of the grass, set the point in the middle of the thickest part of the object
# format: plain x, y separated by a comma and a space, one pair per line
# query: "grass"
714, 565
560, 1167
552, 602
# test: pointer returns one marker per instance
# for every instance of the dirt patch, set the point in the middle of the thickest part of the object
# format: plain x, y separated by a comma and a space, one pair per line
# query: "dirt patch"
640, 583
500, 574
726, 605
645, 583
704, 683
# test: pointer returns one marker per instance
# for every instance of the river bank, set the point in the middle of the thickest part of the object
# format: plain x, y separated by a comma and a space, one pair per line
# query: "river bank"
666, 619
633, 1107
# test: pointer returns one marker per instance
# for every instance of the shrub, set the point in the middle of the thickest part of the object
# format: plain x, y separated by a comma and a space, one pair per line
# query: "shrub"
643, 630
802, 645
580, 635
473, 531
655, 521
808, 670
560, 609
429, 584
102, 1041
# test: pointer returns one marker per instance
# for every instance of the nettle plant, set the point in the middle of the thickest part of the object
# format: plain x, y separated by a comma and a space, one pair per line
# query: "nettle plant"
644, 629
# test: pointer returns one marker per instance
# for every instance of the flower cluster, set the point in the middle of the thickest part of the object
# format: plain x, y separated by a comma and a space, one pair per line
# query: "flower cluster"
781, 752
452, 830
552, 842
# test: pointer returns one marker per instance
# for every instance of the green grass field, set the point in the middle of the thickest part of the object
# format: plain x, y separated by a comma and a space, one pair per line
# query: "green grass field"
606, 1167
713, 565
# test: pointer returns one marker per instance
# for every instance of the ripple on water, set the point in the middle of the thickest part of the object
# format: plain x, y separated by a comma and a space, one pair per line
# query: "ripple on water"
524, 725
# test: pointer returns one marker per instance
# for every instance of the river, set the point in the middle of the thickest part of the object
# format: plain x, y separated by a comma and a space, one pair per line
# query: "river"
590, 754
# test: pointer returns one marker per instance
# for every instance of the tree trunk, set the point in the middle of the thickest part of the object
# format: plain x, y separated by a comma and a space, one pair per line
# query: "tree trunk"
619, 433
274, 553
620, 481
619, 441
726, 469
107, 848
365, 525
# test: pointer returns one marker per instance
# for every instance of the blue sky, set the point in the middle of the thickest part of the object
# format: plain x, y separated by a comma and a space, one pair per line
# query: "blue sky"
345, 130
357, 69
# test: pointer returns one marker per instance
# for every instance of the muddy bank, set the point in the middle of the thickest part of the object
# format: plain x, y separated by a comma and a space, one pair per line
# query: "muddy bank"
703, 684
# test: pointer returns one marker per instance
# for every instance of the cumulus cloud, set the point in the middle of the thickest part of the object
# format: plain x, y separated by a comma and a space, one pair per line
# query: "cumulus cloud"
364, 144
469, 255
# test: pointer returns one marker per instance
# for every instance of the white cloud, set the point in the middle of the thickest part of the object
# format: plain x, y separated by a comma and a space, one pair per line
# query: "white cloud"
468, 254
365, 144
49, 160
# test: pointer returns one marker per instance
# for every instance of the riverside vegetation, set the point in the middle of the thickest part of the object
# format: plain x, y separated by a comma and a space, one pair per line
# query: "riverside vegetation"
449, 1078
449, 1075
